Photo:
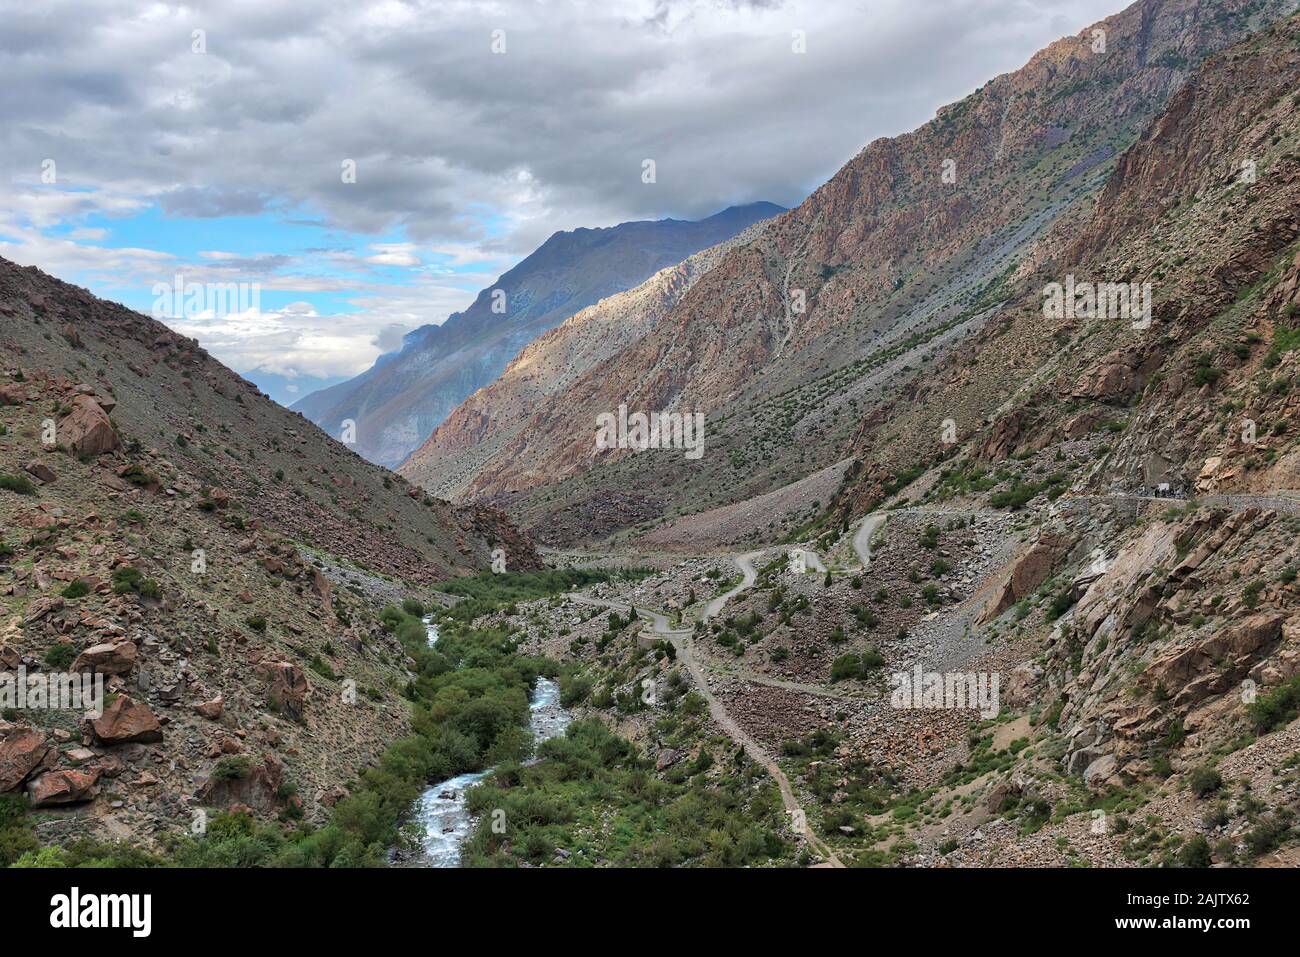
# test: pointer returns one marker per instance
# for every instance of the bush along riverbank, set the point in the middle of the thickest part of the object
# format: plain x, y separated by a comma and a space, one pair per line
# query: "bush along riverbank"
595, 800
470, 710
679, 794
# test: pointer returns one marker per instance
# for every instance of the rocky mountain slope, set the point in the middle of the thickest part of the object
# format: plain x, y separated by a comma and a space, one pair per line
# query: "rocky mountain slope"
486, 424
1203, 208
216, 558
399, 401
898, 261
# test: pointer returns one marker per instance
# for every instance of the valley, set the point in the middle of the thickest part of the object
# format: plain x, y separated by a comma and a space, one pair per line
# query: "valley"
944, 567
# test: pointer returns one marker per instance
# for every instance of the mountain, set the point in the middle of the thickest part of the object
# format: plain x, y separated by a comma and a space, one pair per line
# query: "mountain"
398, 402
900, 259
489, 420
218, 559
1203, 209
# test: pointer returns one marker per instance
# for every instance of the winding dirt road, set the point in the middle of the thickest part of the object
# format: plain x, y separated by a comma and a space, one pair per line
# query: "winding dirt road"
862, 539
746, 565
682, 640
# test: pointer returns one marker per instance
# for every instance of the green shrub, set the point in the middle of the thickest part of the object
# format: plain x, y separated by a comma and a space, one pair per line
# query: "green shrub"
1204, 781
16, 835
125, 579
233, 767
138, 476
1062, 603
1275, 708
848, 667
18, 484
1195, 853
59, 656
76, 589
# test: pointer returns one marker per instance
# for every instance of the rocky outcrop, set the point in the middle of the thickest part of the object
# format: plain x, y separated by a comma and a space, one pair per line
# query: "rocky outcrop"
1039, 564
288, 687
256, 787
1114, 378
1215, 663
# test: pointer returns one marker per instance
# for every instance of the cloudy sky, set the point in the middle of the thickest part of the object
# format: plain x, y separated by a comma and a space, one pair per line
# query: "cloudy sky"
214, 140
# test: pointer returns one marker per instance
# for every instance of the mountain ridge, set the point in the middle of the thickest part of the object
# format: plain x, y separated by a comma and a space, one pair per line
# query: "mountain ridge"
399, 401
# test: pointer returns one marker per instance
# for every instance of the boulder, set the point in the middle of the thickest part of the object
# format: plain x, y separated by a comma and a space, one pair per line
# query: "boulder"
40, 470
1100, 772
63, 787
107, 659
211, 709
21, 751
87, 430
125, 721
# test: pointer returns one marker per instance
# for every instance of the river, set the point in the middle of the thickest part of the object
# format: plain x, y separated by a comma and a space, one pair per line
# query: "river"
447, 822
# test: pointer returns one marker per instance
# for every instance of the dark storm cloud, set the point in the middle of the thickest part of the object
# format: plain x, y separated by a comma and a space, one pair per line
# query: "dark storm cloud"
456, 145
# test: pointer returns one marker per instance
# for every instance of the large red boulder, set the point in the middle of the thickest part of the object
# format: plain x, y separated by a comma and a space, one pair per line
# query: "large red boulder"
107, 659
63, 787
21, 751
125, 721
87, 430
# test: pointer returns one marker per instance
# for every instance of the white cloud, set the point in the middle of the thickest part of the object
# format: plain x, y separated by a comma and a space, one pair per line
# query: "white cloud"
393, 254
453, 143
473, 159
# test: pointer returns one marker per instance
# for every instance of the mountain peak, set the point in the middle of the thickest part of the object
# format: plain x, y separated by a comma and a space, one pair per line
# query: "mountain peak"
398, 402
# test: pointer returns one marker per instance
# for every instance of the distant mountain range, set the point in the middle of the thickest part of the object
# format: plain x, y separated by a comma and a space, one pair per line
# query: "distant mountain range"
398, 402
